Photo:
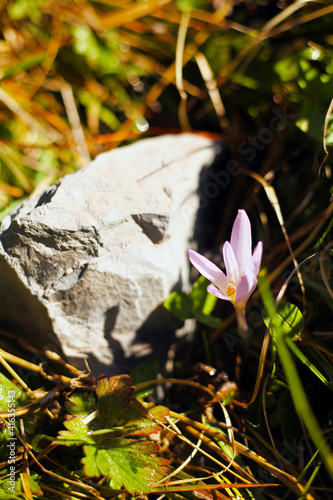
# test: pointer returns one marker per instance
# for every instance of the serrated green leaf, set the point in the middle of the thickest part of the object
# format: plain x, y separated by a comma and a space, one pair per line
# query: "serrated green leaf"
89, 461
114, 395
10, 491
130, 464
112, 444
159, 412
140, 425
76, 434
81, 405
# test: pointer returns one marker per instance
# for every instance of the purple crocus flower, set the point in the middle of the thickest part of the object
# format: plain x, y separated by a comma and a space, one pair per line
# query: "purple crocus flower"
242, 268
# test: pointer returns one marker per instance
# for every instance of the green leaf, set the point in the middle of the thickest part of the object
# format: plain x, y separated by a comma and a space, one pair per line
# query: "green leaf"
128, 463
11, 397
112, 435
11, 393
89, 462
34, 485
77, 433
180, 304
199, 293
144, 371
136, 424
198, 304
81, 405
9, 491
210, 321
119, 391
288, 321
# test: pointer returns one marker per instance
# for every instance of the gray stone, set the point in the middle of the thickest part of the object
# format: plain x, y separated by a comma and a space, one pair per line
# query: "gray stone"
87, 264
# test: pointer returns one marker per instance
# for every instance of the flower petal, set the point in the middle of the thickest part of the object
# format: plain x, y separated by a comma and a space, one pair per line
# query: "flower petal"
254, 263
215, 291
231, 264
241, 240
208, 269
245, 287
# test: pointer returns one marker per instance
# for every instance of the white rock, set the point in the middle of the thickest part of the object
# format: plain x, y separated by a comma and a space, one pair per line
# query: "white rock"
91, 260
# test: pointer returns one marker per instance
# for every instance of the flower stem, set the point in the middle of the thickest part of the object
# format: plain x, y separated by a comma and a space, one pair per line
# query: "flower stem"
241, 321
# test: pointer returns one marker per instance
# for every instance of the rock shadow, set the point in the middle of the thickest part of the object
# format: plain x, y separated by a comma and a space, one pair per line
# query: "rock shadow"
213, 191
114, 345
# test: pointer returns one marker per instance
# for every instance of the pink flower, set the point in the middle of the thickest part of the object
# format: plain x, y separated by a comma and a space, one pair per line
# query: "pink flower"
242, 268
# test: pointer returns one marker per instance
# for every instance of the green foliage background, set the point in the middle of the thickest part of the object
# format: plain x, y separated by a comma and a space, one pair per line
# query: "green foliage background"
77, 78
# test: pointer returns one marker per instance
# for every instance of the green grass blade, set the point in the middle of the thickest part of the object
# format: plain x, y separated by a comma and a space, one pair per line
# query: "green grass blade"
301, 402
301, 356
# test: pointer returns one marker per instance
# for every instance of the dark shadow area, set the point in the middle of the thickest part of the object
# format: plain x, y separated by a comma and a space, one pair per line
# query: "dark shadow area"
114, 345
47, 196
224, 187
22, 314
153, 339
158, 331
213, 191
